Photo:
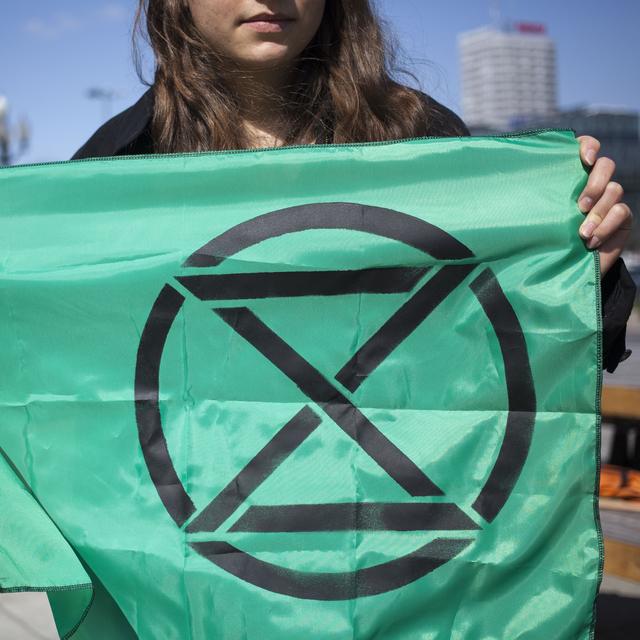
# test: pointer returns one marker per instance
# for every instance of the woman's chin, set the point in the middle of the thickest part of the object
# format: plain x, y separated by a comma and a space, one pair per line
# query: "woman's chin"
267, 56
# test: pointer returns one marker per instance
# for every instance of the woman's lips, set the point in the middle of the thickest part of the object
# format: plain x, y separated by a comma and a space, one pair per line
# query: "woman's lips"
268, 26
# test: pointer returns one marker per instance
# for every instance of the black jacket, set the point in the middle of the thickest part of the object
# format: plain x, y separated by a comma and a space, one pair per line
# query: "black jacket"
128, 133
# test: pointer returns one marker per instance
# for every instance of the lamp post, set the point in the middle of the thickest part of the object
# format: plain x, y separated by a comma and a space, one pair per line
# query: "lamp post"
105, 96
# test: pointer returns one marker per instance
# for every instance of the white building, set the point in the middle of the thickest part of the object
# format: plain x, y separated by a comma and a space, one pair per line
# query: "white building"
508, 75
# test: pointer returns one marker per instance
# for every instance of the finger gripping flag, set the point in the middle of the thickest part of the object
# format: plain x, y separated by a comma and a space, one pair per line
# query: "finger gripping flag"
327, 391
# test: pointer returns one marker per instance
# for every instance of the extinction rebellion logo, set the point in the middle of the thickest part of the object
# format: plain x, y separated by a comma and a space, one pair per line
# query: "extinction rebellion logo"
332, 399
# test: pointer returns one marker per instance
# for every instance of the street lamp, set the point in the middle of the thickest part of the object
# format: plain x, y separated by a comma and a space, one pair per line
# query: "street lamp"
105, 96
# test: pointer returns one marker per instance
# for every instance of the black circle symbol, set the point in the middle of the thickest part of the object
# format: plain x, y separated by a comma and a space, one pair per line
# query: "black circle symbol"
325, 396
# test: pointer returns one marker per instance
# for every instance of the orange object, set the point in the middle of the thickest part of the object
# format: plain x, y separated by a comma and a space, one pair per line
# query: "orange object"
619, 482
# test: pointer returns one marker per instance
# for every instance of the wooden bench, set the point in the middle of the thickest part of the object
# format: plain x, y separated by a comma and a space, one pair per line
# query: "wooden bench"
620, 403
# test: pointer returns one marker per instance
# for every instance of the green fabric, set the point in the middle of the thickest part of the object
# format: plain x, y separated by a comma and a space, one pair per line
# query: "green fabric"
34, 555
342, 391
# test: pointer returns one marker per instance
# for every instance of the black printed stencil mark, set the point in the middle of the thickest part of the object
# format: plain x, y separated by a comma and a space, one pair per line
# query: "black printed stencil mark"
154, 445
520, 392
263, 464
355, 516
333, 586
353, 216
383, 222
317, 388
401, 324
289, 284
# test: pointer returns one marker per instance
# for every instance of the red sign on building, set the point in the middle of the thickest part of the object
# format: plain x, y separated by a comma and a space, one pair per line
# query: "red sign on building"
530, 27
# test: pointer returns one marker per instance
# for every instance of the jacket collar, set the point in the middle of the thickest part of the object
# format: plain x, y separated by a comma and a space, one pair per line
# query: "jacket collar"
120, 131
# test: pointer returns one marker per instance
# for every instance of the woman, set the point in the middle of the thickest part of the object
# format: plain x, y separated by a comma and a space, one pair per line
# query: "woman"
235, 74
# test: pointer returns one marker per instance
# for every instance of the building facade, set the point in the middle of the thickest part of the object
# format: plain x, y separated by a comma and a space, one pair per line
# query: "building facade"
508, 75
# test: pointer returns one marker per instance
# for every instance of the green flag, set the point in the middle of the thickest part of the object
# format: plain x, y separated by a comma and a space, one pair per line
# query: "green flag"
334, 391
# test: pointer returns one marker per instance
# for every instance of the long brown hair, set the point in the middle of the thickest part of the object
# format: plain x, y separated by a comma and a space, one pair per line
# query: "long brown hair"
342, 90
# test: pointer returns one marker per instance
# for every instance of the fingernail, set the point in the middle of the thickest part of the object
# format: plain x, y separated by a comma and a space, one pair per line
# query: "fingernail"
585, 204
594, 242
587, 229
590, 156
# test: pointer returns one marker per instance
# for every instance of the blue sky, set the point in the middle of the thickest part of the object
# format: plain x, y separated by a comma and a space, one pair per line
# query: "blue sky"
52, 52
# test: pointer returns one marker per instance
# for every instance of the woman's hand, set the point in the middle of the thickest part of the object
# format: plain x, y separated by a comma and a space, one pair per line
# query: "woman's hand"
608, 222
